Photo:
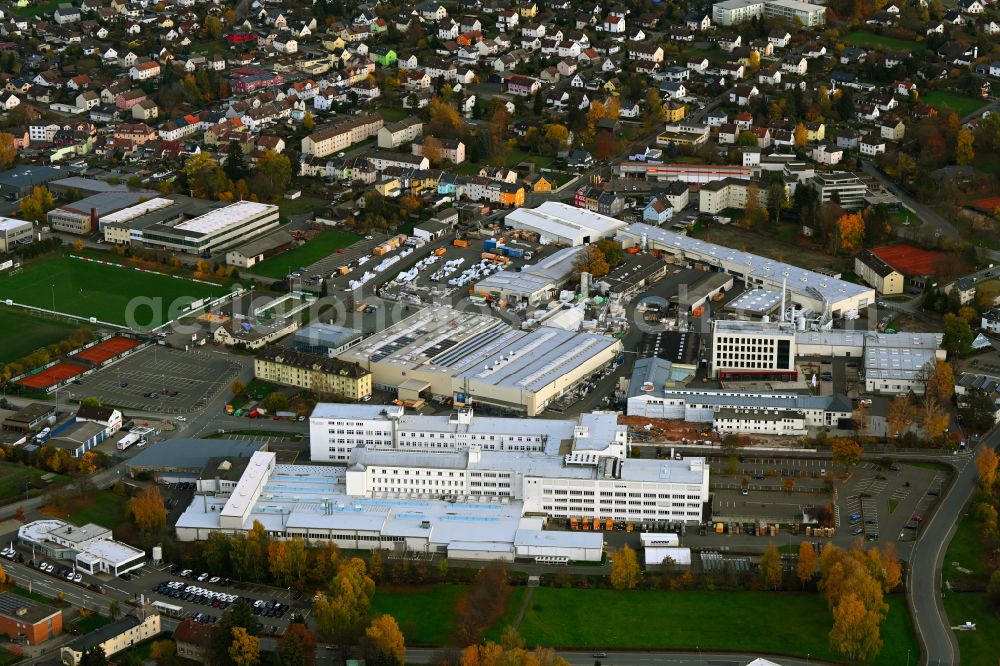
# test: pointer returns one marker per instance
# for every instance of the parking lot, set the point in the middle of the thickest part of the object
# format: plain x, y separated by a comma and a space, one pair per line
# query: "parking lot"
161, 379
880, 503
198, 590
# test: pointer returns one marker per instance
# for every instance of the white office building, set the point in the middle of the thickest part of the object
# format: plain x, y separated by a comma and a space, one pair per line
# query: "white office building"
218, 229
336, 429
753, 350
701, 405
90, 547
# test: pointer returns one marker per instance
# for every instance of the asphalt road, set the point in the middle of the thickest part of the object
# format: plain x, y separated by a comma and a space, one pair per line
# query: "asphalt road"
639, 658
940, 647
940, 226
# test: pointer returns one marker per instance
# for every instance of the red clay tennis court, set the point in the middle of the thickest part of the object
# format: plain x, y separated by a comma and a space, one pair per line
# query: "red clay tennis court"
110, 348
59, 372
908, 259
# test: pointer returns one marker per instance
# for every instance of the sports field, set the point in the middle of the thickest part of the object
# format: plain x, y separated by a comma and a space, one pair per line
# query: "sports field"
948, 101
88, 289
325, 244
110, 348
22, 333
59, 372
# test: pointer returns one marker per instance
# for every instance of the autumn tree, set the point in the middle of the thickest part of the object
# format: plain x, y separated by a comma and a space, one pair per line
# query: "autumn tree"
238, 387
235, 165
900, 415
384, 642
891, 571
147, 509
986, 463
308, 122
163, 652
855, 633
940, 381
34, 206
753, 213
845, 451
482, 605
205, 178
8, 150
934, 418
444, 120
789, 484
851, 231
958, 334
271, 176
297, 646
625, 571
801, 135
341, 614
591, 260
805, 569
432, 150
964, 152
245, 649
770, 567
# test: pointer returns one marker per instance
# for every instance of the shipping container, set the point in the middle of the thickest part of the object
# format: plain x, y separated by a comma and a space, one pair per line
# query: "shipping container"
489, 244
458, 242
441, 250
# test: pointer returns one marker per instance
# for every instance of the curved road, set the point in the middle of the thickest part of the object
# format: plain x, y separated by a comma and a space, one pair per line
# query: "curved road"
940, 648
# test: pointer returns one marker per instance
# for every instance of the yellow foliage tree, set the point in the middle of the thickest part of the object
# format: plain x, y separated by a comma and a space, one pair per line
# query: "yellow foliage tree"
147, 509
770, 567
385, 640
801, 135
805, 569
625, 572
245, 648
855, 633
964, 151
986, 462
851, 229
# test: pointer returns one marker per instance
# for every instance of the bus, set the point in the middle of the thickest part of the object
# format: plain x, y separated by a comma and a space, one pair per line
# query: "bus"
168, 609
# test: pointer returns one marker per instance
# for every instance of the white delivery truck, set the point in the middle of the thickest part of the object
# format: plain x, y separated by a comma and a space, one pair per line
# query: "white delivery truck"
127, 441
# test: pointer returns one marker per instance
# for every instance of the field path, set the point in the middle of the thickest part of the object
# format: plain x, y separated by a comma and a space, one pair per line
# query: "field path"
524, 607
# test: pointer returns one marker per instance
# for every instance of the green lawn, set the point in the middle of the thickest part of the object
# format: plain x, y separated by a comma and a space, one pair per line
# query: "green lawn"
394, 114
746, 621
36, 9
15, 477
870, 40
90, 623
104, 508
322, 246
86, 289
22, 333
300, 206
960, 104
426, 615
982, 645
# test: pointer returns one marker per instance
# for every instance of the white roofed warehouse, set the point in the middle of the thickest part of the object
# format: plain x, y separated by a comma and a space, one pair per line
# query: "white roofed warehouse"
215, 230
561, 224
478, 359
819, 292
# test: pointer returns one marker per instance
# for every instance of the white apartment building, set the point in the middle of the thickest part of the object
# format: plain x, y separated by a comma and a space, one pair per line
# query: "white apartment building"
341, 136
719, 195
731, 12
753, 350
396, 134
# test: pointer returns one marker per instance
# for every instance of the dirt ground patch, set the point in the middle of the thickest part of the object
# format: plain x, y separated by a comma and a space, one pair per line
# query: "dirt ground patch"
798, 252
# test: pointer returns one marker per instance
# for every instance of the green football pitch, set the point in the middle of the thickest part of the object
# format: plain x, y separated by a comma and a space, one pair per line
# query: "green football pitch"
114, 294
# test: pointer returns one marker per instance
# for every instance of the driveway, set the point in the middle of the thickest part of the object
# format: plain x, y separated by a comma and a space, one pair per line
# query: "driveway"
940, 226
